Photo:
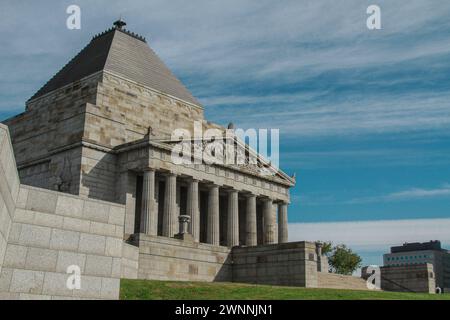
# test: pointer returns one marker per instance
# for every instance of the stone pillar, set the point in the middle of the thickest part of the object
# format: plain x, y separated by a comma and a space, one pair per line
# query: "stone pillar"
170, 206
233, 219
212, 235
275, 221
269, 236
193, 209
319, 256
127, 192
149, 214
282, 223
250, 230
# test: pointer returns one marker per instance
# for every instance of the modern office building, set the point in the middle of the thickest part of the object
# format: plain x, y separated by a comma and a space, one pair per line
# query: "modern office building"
413, 254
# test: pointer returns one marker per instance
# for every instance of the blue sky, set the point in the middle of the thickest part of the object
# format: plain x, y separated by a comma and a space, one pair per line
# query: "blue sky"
364, 116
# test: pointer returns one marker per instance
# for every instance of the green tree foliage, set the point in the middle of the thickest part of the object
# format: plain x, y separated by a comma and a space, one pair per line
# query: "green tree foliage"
327, 248
343, 260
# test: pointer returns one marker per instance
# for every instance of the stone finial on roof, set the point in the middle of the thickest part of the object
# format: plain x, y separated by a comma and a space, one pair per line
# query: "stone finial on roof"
119, 24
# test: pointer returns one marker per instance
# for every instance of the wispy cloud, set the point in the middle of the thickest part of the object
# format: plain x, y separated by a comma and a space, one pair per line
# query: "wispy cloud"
420, 193
288, 60
307, 199
404, 195
358, 114
373, 235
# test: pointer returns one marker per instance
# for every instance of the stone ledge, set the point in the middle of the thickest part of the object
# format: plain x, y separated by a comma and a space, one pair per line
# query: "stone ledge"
181, 243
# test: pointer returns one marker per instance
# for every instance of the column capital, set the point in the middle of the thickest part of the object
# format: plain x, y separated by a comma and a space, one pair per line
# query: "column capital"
169, 174
148, 169
213, 186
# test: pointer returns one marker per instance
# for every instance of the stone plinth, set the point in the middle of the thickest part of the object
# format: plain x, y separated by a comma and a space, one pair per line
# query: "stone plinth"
184, 227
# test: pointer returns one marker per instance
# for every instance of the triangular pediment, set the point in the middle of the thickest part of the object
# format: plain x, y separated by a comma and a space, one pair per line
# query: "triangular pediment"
244, 157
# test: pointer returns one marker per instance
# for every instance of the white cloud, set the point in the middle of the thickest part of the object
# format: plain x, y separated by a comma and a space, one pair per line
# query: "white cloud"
409, 194
420, 193
359, 114
320, 198
373, 235
220, 44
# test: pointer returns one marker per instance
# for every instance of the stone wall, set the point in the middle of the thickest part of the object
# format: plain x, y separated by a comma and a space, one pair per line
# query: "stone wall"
9, 189
98, 175
411, 278
130, 261
125, 110
49, 128
171, 259
44, 232
52, 231
290, 264
287, 264
339, 281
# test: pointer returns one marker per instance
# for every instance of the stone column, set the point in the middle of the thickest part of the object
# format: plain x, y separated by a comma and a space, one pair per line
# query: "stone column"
269, 236
275, 221
233, 219
250, 230
212, 235
149, 214
193, 209
170, 206
282, 223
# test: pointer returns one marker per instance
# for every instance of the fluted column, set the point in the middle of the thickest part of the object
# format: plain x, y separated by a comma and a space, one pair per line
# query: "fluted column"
212, 235
149, 214
193, 209
269, 236
170, 206
275, 221
233, 219
250, 228
282, 223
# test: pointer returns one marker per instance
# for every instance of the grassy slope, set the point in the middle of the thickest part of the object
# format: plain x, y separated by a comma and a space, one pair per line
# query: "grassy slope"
170, 290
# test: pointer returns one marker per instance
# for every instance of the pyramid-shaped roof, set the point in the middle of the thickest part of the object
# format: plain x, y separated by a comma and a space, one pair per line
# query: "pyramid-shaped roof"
125, 54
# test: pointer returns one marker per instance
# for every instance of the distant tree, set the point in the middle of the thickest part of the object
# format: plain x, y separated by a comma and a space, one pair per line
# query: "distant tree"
343, 260
327, 248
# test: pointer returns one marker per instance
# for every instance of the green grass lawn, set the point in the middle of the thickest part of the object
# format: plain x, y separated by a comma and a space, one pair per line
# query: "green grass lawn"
172, 290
